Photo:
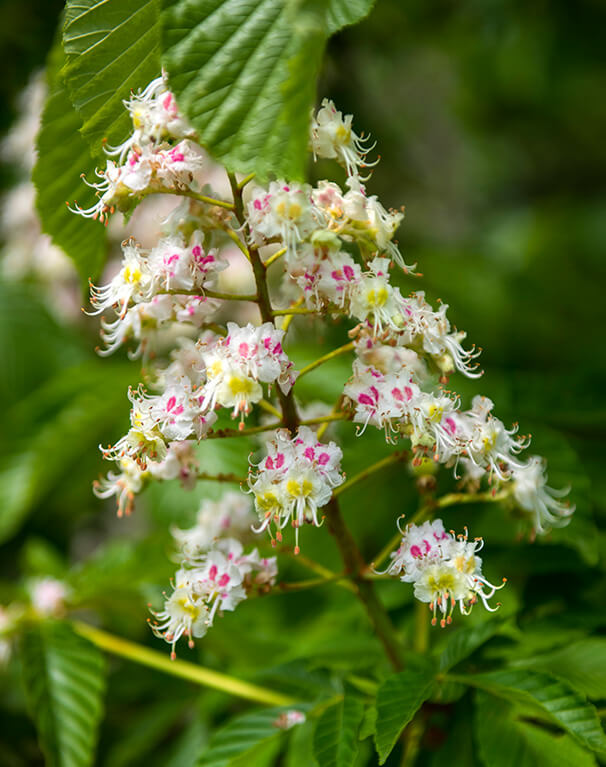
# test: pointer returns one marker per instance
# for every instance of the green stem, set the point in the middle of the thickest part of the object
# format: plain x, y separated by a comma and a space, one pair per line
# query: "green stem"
245, 180
210, 294
393, 458
287, 403
290, 317
231, 433
321, 360
275, 256
222, 478
310, 583
451, 499
193, 673
293, 310
237, 241
269, 408
351, 555
195, 196
412, 739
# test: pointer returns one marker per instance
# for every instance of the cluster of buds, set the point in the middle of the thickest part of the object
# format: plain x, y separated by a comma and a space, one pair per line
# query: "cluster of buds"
444, 569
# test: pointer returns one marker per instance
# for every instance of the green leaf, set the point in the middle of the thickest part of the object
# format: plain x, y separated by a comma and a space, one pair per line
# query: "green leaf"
84, 401
368, 725
240, 740
398, 700
112, 47
63, 156
344, 13
335, 738
582, 664
300, 747
465, 641
528, 745
564, 706
64, 681
245, 71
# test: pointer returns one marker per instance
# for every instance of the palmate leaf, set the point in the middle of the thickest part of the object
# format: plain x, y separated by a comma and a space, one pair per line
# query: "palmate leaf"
243, 740
466, 640
566, 707
63, 156
244, 72
398, 700
505, 740
112, 47
335, 738
64, 678
582, 664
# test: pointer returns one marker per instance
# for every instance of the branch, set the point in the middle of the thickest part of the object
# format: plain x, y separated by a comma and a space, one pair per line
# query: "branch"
204, 293
195, 196
193, 673
293, 310
274, 257
222, 478
321, 360
393, 458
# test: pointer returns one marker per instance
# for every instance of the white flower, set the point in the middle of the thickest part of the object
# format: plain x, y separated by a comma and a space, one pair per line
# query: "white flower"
333, 137
220, 581
230, 516
374, 298
284, 211
383, 400
431, 332
175, 167
371, 223
124, 485
295, 480
530, 490
237, 365
134, 282
48, 596
155, 118
444, 569
289, 719
179, 462
182, 615
492, 445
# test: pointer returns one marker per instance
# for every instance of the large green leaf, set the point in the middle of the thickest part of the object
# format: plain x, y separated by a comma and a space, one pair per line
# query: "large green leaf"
240, 741
466, 640
564, 706
63, 156
64, 681
527, 744
112, 47
398, 700
335, 738
582, 664
68, 416
244, 72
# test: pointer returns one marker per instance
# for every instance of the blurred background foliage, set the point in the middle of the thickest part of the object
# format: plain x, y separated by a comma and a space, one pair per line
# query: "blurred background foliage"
490, 118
